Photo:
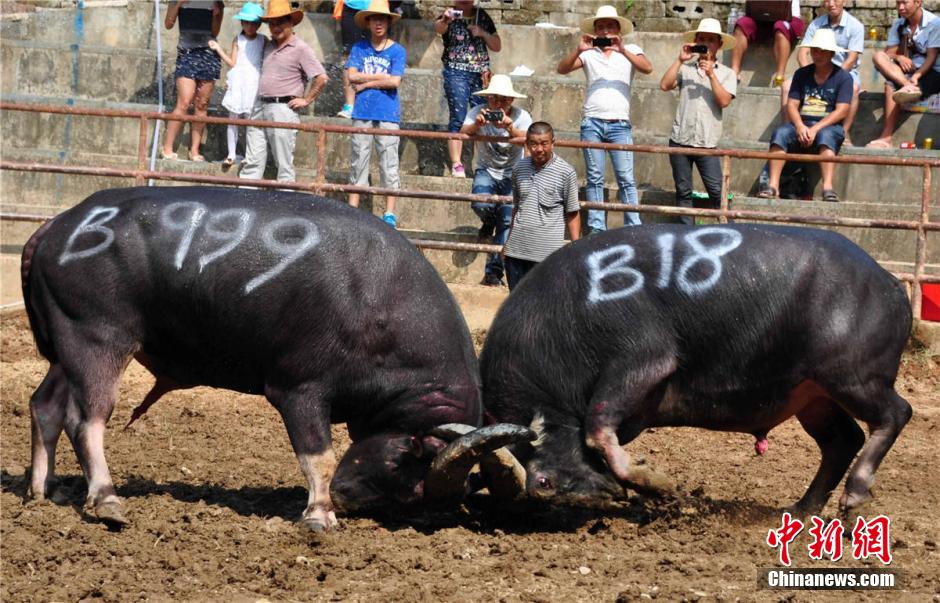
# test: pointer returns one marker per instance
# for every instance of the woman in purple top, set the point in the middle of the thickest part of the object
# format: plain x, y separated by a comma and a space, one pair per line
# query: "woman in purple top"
469, 34
197, 67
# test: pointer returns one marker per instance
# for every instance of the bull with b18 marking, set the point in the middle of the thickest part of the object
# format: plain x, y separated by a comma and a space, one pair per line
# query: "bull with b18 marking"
324, 310
731, 328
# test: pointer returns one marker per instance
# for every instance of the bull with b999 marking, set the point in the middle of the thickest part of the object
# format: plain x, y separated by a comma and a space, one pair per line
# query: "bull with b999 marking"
324, 310
732, 328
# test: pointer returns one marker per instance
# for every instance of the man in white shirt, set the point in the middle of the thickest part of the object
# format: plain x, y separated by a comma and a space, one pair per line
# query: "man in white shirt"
608, 67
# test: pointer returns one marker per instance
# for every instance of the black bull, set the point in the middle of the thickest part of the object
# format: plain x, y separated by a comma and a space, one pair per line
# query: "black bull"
324, 310
732, 328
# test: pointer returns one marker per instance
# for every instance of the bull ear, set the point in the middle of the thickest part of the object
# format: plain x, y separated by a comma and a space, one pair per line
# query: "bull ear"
449, 469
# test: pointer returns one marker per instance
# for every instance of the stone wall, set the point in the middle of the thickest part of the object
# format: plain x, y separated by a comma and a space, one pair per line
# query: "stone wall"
647, 15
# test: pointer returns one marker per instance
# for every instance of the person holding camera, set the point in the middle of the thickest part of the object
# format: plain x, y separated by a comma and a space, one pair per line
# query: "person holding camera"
469, 35
608, 66
706, 88
494, 163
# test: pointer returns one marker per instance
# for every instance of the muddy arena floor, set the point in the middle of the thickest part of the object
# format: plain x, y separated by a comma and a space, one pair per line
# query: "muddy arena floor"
212, 490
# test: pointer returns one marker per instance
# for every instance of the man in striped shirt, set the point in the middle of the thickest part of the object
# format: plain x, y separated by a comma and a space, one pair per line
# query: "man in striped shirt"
545, 203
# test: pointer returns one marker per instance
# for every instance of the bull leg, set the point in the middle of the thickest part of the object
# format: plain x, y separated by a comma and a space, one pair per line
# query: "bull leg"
307, 419
886, 414
609, 410
92, 396
839, 438
47, 416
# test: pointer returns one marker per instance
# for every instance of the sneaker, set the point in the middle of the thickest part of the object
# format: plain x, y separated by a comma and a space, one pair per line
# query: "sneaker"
390, 219
346, 112
457, 171
486, 232
491, 280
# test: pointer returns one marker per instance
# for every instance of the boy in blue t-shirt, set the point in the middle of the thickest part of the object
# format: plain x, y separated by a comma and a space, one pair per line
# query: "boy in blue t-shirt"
375, 68
818, 103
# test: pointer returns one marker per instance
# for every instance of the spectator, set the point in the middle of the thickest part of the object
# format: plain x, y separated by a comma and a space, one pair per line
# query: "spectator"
244, 71
197, 67
351, 34
819, 101
784, 34
706, 88
545, 202
469, 34
909, 63
850, 34
608, 67
288, 65
375, 69
495, 160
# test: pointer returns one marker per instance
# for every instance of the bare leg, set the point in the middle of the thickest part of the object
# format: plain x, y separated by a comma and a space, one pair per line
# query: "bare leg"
454, 148
889, 69
782, 49
784, 94
185, 91
47, 415
776, 168
827, 169
201, 101
353, 199
850, 118
737, 53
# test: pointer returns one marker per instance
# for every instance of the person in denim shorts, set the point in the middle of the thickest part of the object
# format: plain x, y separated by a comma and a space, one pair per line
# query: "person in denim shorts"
495, 160
197, 67
469, 35
608, 67
820, 95
784, 33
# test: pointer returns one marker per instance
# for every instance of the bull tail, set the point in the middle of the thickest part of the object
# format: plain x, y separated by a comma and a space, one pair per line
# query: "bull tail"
37, 322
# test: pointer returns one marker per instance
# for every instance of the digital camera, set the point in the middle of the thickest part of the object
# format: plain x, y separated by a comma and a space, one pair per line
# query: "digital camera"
493, 116
699, 48
602, 42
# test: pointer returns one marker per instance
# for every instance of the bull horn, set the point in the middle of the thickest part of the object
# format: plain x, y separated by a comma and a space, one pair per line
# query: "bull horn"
449, 469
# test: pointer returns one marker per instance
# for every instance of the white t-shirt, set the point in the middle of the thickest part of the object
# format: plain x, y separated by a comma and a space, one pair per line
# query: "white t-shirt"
609, 81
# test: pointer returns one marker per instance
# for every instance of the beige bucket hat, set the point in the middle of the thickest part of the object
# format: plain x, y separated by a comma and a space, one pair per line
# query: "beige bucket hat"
824, 39
606, 12
500, 85
711, 26
376, 7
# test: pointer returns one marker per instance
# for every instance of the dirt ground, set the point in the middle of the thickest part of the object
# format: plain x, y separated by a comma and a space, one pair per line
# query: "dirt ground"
213, 488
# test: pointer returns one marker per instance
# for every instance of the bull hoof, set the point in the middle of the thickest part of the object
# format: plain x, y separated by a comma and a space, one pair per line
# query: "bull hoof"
854, 503
318, 521
110, 513
648, 481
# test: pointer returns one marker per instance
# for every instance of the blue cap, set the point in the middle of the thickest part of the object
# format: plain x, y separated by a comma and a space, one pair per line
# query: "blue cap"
250, 12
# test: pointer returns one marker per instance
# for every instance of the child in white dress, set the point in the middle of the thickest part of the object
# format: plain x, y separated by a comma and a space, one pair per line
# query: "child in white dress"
245, 71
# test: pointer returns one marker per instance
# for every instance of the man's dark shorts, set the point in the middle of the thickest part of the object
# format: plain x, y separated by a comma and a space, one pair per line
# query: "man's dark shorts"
785, 137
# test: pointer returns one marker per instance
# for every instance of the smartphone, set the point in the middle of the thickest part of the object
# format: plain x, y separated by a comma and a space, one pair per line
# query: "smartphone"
699, 48
456, 13
493, 116
602, 42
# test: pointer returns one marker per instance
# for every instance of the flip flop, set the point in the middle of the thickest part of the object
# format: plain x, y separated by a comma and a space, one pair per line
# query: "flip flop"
768, 193
878, 144
830, 195
228, 162
170, 156
197, 158
907, 94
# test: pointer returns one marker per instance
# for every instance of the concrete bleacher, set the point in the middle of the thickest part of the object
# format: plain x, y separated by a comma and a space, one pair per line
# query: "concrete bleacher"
111, 62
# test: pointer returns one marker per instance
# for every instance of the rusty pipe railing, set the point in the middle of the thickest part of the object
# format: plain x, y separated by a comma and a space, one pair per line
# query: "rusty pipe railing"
922, 226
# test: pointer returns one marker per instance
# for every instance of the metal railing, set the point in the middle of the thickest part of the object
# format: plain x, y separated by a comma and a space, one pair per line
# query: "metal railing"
140, 174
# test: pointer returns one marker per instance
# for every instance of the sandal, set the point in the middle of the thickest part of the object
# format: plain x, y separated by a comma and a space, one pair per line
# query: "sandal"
197, 157
228, 162
879, 143
768, 193
830, 195
907, 94
170, 156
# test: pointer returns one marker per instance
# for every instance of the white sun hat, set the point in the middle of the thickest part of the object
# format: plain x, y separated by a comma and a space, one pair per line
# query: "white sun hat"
711, 26
824, 39
500, 85
606, 12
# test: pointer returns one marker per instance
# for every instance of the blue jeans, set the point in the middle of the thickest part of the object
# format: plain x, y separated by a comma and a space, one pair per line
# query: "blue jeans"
493, 214
613, 131
458, 86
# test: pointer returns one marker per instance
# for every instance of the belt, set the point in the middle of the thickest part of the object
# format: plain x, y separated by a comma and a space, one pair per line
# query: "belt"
277, 99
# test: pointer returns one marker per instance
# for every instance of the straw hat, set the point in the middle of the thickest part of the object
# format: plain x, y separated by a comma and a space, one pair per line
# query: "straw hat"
376, 7
281, 8
711, 26
250, 12
824, 39
606, 12
500, 85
